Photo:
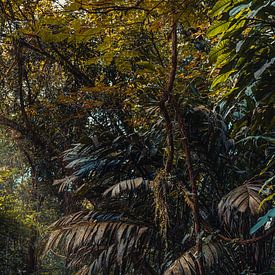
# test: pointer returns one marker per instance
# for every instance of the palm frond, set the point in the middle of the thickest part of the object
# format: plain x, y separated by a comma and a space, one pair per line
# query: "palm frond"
65, 182
99, 239
126, 185
129, 153
240, 208
214, 256
245, 198
102, 263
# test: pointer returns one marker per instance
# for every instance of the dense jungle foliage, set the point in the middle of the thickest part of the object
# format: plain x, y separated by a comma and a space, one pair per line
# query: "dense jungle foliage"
137, 137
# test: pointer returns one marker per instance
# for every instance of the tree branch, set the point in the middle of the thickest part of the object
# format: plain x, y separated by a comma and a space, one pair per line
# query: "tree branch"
195, 209
166, 98
240, 240
19, 57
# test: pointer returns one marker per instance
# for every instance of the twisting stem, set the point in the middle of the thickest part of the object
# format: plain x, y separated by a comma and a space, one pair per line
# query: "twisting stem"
249, 241
173, 70
166, 98
195, 208
240, 241
170, 138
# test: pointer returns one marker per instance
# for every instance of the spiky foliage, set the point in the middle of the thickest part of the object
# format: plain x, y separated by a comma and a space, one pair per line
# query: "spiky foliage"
97, 241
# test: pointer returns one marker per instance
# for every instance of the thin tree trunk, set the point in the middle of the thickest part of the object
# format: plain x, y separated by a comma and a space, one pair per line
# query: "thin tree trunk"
31, 262
195, 209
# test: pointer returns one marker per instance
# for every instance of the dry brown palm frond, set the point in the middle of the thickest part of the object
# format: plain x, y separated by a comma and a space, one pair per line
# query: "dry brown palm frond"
99, 238
93, 233
238, 212
243, 201
216, 260
243, 198
101, 263
84, 216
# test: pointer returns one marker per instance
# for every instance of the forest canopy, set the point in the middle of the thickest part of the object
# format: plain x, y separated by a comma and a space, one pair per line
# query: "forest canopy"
137, 137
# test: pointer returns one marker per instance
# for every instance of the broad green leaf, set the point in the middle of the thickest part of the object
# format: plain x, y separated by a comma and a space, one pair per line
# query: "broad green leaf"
222, 59
236, 24
218, 49
219, 7
218, 28
221, 78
